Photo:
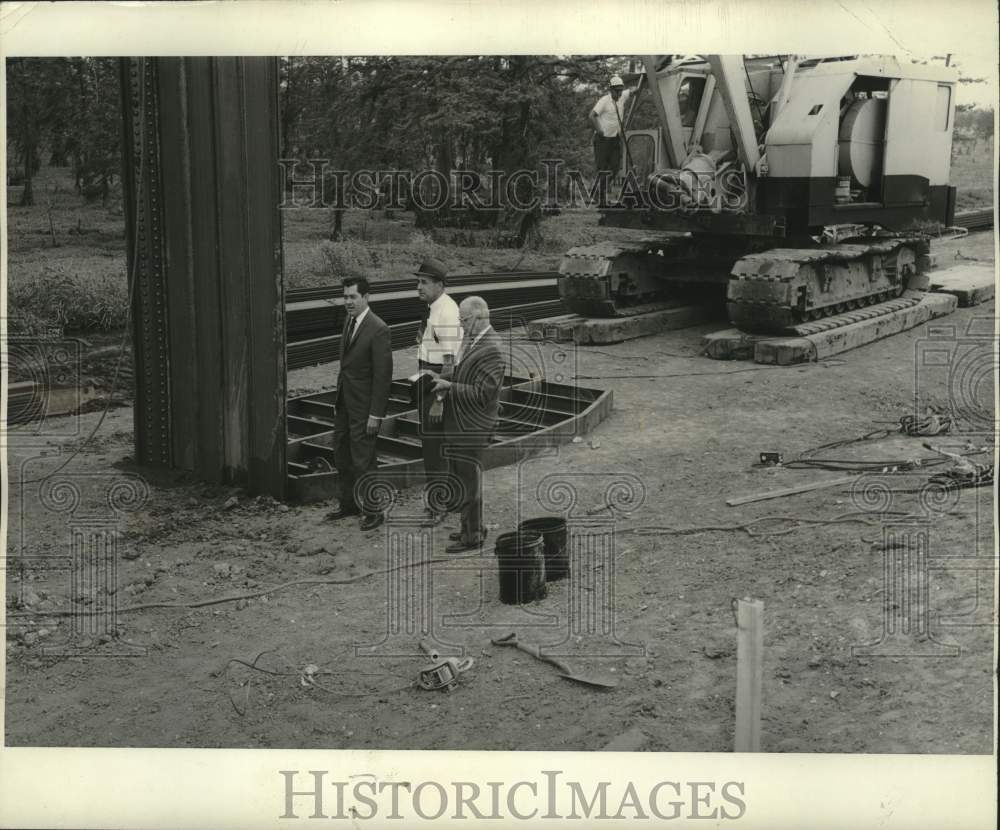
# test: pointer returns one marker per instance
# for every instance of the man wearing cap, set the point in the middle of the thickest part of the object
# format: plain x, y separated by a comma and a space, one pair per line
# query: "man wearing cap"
439, 341
607, 118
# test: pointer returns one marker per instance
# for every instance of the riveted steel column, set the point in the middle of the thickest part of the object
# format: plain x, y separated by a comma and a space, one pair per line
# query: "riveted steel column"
202, 195
144, 226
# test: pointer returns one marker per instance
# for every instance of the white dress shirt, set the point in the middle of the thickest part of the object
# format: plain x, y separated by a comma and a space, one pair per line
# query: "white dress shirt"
443, 334
357, 324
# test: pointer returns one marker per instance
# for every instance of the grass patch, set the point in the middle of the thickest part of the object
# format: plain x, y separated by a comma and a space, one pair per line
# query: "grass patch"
85, 295
972, 175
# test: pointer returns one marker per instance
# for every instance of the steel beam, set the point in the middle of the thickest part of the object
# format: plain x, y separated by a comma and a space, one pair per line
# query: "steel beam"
202, 190
731, 81
664, 88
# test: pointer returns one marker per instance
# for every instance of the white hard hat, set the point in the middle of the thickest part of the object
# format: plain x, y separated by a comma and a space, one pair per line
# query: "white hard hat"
617, 81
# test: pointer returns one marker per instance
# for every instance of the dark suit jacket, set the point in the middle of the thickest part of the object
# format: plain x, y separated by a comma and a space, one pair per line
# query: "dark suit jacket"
365, 369
473, 401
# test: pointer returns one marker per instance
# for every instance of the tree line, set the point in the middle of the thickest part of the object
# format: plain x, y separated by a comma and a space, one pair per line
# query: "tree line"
70, 109
384, 112
444, 113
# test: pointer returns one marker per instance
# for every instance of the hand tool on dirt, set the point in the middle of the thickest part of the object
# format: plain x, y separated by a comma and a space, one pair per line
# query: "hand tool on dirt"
961, 460
443, 674
567, 672
965, 473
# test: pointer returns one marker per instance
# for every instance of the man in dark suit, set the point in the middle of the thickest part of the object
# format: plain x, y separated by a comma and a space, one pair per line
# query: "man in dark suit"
362, 398
471, 407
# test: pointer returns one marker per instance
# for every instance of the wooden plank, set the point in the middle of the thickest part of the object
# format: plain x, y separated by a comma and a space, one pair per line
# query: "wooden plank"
593, 331
791, 491
970, 284
749, 673
785, 351
731, 344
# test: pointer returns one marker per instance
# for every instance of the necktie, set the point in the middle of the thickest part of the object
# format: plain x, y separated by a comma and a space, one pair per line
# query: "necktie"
350, 331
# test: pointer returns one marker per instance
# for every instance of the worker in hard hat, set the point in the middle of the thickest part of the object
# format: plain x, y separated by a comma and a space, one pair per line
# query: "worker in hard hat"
608, 118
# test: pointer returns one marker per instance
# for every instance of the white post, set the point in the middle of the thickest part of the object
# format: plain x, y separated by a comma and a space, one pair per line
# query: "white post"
749, 673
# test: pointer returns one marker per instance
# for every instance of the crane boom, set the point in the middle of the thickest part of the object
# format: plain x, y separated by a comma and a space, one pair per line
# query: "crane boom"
730, 81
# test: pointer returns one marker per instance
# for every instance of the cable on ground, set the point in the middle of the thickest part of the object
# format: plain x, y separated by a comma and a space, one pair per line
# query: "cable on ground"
129, 609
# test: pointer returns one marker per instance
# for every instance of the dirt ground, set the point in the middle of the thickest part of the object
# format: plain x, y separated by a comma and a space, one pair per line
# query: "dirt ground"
688, 428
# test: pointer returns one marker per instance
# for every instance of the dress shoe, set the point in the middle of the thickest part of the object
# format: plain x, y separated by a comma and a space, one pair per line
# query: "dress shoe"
372, 521
342, 513
457, 536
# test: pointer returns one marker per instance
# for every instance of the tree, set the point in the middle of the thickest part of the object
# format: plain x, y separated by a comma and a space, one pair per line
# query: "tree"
38, 91
72, 107
443, 113
983, 123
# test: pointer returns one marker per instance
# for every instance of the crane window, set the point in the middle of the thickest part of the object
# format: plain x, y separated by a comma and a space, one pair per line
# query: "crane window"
689, 99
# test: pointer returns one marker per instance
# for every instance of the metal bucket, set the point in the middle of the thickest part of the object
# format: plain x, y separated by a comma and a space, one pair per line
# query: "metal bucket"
521, 557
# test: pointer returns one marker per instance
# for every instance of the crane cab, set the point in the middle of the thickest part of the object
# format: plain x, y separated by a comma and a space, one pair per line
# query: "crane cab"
866, 140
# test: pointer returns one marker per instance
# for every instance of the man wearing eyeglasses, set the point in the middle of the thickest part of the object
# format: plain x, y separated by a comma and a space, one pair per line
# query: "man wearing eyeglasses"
471, 407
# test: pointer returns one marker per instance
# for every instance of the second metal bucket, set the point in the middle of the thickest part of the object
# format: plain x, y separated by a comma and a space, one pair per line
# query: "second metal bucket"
553, 530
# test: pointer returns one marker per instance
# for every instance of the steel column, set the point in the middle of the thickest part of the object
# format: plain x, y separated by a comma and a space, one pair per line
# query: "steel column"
202, 194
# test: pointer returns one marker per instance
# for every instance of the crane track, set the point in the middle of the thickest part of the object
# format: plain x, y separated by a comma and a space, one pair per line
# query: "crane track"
623, 279
774, 291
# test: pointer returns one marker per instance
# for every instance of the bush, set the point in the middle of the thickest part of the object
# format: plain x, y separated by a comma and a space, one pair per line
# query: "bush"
347, 258
420, 246
24, 323
72, 297
351, 257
